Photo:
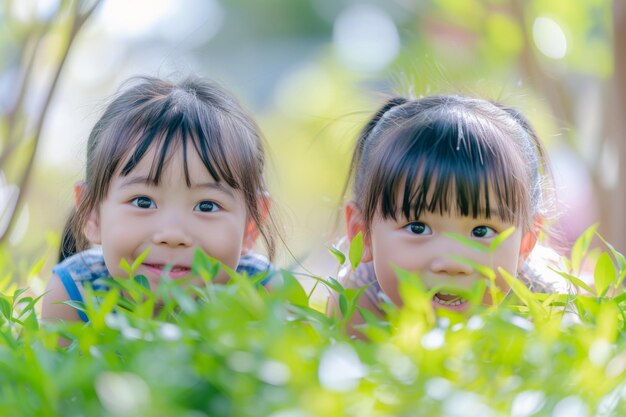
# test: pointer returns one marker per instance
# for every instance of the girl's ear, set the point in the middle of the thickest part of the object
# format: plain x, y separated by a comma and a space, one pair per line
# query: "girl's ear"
92, 228
79, 186
529, 239
355, 224
251, 232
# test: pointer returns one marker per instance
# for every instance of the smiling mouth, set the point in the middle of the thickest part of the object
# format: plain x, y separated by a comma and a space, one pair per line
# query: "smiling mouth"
445, 299
176, 271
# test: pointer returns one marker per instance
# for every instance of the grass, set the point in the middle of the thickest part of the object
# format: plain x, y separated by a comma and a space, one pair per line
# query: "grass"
239, 350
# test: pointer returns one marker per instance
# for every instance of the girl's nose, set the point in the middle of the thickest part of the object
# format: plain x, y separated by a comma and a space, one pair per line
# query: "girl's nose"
170, 230
450, 264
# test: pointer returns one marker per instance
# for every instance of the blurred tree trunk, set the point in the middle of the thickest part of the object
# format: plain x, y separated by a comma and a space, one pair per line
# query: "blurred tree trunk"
20, 125
615, 199
612, 202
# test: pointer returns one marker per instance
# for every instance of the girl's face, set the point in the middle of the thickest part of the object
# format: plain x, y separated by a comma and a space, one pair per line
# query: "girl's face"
423, 246
171, 218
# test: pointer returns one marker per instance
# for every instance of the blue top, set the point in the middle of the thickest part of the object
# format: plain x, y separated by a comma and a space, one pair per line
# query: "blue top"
87, 267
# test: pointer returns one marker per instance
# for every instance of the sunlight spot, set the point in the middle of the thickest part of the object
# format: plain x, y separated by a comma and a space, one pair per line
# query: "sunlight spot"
161, 18
95, 352
131, 333
475, 323
466, 404
600, 352
570, 407
527, 403
457, 327
241, 361
616, 366
122, 393
365, 37
549, 38
387, 394
170, 332
128, 19
41, 10
522, 323
438, 388
274, 373
608, 404
434, 339
402, 368
340, 368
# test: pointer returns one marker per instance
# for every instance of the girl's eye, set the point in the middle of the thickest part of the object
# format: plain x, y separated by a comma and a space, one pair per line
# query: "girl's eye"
206, 207
143, 202
483, 232
419, 228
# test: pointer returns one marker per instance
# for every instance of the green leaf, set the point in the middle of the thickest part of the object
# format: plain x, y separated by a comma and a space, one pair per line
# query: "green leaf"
31, 304
537, 310
183, 299
333, 284
142, 280
581, 246
17, 294
484, 270
126, 267
338, 254
204, 266
140, 260
375, 328
603, 274
36, 269
574, 280
5, 308
78, 305
477, 293
369, 317
619, 258
356, 250
351, 298
343, 305
622, 297
291, 290
477, 246
501, 238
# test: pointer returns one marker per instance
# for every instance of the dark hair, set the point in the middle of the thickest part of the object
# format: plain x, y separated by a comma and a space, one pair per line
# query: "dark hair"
194, 115
449, 153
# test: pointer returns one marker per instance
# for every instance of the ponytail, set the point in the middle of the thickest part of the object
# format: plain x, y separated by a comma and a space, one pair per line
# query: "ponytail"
68, 240
365, 133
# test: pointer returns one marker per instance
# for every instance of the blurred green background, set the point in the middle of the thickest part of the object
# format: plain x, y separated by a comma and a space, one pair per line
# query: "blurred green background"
311, 71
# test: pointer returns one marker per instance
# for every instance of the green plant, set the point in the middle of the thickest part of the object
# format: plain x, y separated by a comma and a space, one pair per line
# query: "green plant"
239, 349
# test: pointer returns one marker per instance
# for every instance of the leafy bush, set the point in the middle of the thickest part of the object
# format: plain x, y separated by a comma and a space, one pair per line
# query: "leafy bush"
240, 350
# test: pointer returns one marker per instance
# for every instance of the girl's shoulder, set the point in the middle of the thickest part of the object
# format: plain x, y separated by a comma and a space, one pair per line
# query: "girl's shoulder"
253, 263
83, 267
363, 276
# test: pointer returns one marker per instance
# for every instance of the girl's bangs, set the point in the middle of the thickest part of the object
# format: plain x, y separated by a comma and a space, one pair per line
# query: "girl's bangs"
453, 174
464, 192
173, 133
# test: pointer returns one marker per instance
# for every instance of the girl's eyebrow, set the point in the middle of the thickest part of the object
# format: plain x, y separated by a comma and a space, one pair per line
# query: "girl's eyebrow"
145, 180
214, 185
